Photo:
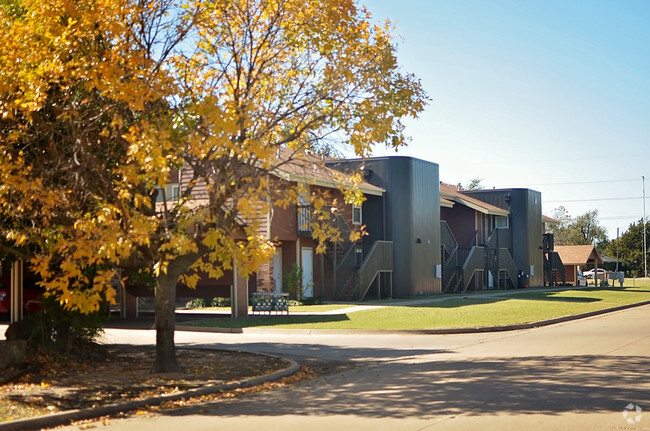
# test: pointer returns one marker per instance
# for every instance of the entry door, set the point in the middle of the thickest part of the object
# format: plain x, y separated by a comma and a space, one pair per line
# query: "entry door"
277, 270
307, 259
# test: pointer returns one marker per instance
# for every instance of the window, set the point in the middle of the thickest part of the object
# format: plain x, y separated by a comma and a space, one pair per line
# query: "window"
501, 221
172, 192
356, 215
303, 194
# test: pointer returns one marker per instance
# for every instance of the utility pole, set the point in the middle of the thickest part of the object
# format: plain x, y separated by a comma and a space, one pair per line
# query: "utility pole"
617, 277
645, 256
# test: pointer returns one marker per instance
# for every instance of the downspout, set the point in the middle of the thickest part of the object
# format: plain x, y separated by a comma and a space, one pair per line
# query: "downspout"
322, 275
269, 214
383, 204
334, 271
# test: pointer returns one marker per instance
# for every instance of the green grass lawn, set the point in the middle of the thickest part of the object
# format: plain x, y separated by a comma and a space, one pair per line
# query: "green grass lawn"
468, 311
306, 308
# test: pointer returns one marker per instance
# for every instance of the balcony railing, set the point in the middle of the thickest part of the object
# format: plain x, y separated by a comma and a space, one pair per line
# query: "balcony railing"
303, 220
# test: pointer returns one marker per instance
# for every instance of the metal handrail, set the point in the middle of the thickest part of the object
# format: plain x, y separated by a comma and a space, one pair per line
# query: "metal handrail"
507, 263
475, 261
379, 259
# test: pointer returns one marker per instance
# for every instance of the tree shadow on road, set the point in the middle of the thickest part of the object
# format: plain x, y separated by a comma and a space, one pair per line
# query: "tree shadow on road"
431, 386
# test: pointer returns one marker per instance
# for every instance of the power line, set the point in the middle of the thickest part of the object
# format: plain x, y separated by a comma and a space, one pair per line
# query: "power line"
584, 182
572, 160
634, 198
635, 217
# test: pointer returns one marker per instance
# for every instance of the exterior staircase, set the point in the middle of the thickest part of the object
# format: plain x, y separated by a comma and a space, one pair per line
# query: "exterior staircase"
454, 281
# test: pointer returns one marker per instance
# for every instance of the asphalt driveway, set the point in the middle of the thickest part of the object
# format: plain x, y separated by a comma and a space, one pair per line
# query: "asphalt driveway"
589, 374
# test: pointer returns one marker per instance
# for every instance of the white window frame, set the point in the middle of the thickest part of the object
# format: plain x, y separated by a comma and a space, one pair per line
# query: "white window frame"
499, 225
357, 210
172, 192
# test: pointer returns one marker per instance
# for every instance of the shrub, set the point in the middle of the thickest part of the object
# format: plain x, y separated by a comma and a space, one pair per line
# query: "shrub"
293, 283
196, 303
60, 330
220, 301
311, 301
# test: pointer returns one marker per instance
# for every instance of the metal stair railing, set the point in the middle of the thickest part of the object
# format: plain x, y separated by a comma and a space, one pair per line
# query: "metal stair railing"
475, 261
450, 264
447, 237
499, 238
378, 260
507, 263
556, 264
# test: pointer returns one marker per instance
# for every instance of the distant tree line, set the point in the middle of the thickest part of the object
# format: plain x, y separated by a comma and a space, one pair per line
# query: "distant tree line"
586, 229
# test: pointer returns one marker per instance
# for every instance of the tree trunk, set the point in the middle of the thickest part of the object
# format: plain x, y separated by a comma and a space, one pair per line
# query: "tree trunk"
165, 308
165, 322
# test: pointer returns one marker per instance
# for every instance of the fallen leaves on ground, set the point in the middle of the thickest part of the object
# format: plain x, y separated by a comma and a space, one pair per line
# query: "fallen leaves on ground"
305, 373
124, 374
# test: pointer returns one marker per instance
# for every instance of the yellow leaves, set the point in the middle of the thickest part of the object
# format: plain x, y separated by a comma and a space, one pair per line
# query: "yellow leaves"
250, 77
59, 45
18, 238
178, 244
249, 255
160, 268
71, 268
190, 280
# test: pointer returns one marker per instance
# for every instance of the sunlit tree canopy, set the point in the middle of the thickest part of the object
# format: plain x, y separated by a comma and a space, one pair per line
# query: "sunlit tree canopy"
103, 101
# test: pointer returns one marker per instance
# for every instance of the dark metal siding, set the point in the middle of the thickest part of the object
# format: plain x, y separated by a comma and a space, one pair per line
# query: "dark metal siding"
525, 208
530, 221
425, 202
412, 212
373, 219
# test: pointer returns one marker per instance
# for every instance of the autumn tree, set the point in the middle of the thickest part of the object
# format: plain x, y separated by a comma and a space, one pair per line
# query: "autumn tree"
101, 101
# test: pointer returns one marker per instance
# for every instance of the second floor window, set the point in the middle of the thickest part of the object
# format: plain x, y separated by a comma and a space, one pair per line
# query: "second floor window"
356, 215
501, 221
172, 192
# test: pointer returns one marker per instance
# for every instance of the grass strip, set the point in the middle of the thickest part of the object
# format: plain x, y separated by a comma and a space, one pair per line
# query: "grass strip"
469, 311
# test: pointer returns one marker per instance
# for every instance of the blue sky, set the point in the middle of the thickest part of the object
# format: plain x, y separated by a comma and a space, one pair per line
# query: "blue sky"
548, 95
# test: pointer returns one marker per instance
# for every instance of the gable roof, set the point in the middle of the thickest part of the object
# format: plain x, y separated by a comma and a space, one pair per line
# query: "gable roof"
446, 202
450, 194
549, 220
578, 254
306, 168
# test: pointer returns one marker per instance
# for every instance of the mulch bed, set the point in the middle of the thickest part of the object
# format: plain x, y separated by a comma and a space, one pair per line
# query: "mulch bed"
124, 373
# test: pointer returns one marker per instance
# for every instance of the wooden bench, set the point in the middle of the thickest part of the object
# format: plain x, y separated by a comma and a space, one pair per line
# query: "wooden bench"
267, 302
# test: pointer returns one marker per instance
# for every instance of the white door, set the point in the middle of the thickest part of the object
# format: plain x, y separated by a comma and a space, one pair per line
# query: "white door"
307, 260
277, 270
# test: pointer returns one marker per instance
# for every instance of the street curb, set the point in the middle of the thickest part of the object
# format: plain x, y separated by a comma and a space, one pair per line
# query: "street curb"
64, 418
532, 324
469, 330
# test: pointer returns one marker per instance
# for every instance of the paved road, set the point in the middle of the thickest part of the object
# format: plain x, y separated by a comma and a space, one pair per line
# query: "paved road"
576, 375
